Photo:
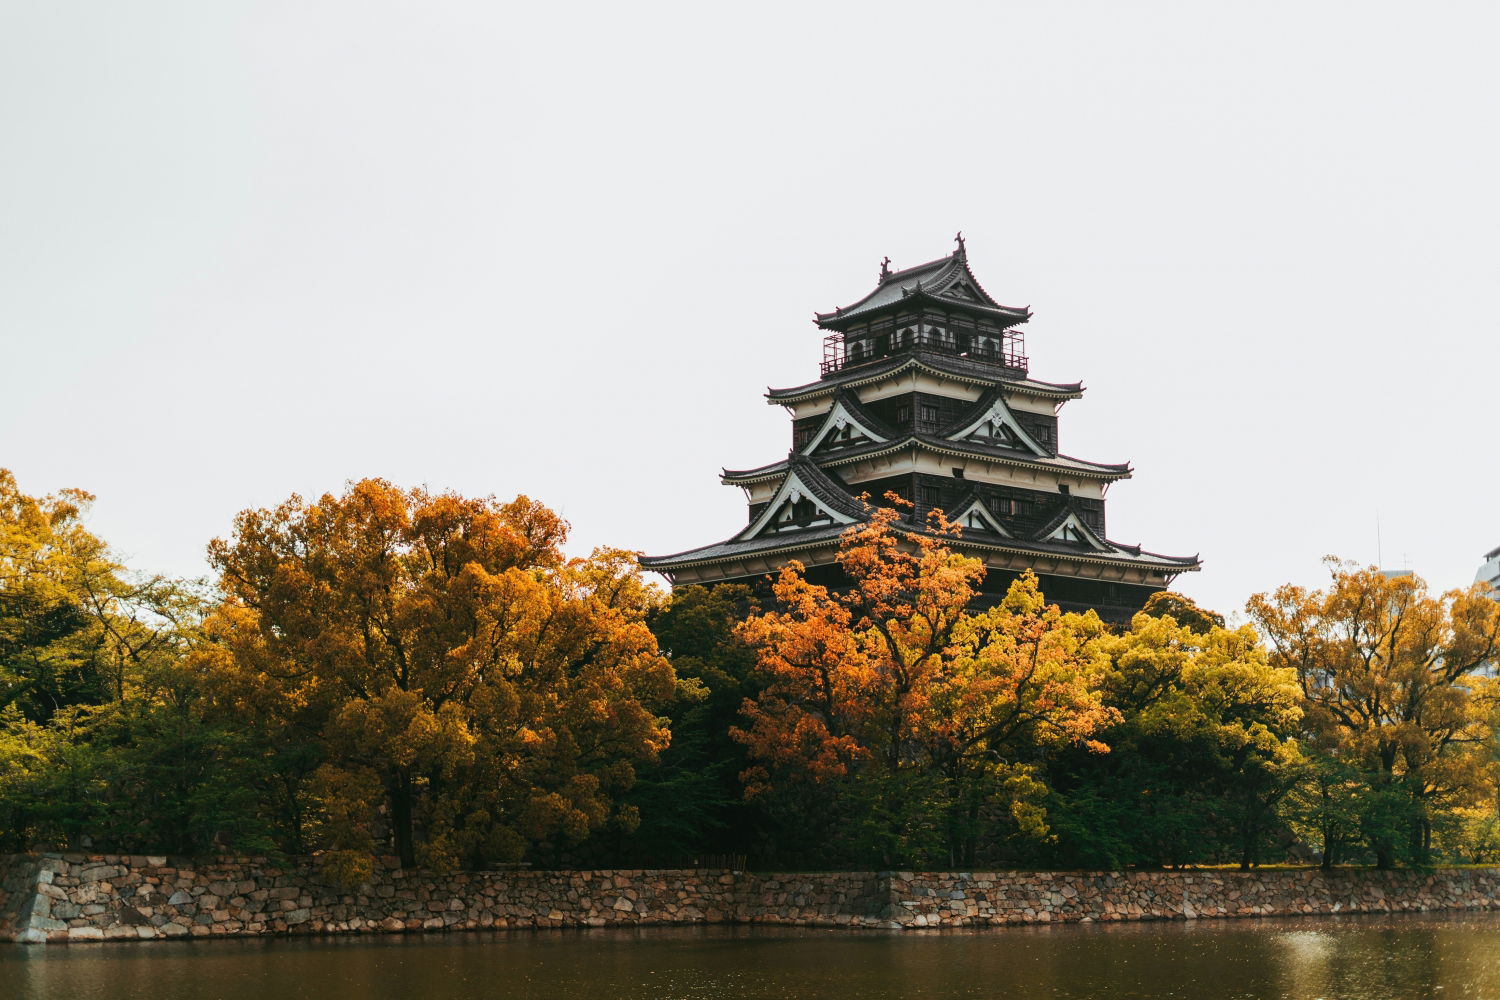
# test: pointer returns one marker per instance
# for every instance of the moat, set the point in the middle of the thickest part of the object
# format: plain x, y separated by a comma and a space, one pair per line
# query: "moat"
1349, 958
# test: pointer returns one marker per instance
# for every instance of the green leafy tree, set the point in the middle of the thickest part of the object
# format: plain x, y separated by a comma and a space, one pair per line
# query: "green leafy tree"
690, 801
1203, 751
50, 638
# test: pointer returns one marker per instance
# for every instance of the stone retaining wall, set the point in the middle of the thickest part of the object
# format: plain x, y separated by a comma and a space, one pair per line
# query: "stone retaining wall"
70, 897
959, 900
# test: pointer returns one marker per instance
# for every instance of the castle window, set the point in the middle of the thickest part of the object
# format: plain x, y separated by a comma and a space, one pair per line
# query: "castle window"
929, 413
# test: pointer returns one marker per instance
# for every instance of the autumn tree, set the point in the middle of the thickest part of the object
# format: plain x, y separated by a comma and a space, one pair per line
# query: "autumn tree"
453, 667
86, 650
1395, 697
1204, 747
1183, 610
922, 720
54, 576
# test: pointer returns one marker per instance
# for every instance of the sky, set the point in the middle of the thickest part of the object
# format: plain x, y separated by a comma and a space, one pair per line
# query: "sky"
256, 249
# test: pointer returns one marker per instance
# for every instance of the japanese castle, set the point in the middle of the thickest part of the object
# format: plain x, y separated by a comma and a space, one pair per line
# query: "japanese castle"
925, 392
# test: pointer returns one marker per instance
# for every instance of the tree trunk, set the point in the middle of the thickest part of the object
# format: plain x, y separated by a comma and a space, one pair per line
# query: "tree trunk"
1330, 849
1249, 836
401, 821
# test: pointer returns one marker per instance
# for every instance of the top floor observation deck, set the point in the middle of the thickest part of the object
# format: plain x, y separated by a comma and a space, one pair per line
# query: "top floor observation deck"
1005, 349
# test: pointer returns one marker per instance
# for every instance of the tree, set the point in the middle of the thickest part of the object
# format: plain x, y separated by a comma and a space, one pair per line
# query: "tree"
919, 722
691, 802
1392, 689
84, 647
454, 667
50, 639
1183, 610
1202, 749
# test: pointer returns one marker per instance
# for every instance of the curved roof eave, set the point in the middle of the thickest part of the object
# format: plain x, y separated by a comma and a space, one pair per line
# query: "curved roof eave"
853, 377
961, 449
823, 537
1008, 316
1181, 564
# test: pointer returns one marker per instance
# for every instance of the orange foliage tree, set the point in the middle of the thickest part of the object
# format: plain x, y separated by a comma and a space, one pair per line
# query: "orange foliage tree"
914, 724
452, 666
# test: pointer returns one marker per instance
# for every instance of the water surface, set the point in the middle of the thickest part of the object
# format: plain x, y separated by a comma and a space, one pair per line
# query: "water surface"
1352, 958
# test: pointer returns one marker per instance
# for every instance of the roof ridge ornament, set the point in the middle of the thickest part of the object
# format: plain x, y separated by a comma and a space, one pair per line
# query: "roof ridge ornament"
960, 253
885, 269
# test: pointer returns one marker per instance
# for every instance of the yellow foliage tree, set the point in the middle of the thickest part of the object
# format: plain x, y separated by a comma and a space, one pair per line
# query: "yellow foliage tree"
1394, 690
443, 651
1205, 744
74, 628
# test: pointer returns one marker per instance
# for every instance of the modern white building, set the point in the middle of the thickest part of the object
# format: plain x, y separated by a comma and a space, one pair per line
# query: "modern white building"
1489, 573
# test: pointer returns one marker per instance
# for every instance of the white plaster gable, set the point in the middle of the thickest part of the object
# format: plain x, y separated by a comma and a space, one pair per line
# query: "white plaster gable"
838, 418
997, 423
978, 517
1073, 530
793, 490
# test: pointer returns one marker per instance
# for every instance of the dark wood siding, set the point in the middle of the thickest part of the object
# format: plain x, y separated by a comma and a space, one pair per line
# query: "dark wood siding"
1022, 512
1039, 426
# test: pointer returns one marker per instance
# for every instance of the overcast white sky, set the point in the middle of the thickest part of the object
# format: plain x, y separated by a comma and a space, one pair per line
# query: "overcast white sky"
248, 249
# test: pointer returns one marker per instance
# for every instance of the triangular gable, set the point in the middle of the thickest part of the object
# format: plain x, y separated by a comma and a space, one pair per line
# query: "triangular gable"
793, 506
1073, 531
960, 290
998, 425
977, 517
958, 282
834, 428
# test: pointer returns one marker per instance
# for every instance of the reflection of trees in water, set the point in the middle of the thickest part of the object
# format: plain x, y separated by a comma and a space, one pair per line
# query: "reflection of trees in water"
1350, 958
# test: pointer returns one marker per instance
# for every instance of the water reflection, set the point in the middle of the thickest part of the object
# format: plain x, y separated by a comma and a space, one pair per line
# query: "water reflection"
1352, 958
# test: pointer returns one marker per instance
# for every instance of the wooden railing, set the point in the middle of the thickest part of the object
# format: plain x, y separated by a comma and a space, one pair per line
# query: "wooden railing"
838, 356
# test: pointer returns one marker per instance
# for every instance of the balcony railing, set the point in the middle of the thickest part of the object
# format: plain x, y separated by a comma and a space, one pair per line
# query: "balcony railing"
837, 355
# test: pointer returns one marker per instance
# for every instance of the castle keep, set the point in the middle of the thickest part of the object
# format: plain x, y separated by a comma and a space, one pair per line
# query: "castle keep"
925, 392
